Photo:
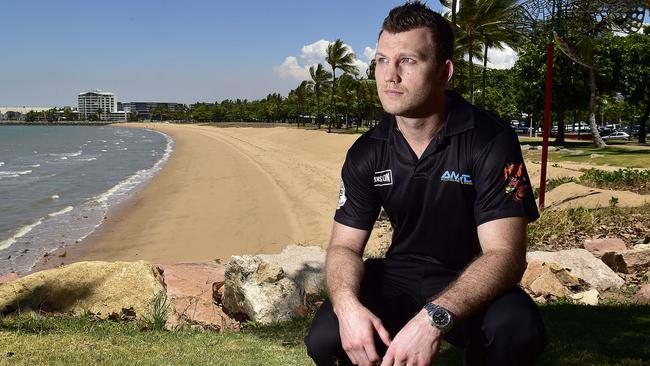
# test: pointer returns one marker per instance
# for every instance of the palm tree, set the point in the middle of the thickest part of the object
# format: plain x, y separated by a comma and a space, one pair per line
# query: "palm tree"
476, 19
339, 57
319, 77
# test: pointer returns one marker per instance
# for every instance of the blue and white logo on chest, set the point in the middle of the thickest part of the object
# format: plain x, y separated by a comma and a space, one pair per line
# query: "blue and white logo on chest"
452, 176
383, 178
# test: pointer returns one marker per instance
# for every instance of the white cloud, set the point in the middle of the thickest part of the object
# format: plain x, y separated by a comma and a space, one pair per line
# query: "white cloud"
313, 54
502, 59
369, 52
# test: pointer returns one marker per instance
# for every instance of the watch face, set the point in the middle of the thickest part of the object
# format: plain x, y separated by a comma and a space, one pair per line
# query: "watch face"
440, 318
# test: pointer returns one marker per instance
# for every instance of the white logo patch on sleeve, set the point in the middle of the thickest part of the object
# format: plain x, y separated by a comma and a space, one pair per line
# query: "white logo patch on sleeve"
342, 197
383, 178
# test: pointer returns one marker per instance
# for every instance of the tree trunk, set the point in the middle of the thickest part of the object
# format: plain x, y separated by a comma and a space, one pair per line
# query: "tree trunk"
329, 123
453, 27
471, 69
643, 123
559, 137
598, 141
485, 52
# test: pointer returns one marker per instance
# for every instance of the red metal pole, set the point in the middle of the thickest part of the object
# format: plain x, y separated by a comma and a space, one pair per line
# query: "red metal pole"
547, 122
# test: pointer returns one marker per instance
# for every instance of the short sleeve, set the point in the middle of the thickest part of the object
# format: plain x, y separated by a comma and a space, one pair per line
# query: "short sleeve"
358, 205
503, 188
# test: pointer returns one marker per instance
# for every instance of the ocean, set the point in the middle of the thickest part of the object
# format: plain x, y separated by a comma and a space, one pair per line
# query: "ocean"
58, 183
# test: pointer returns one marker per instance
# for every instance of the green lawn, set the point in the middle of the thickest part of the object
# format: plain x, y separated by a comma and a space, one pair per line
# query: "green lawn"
579, 335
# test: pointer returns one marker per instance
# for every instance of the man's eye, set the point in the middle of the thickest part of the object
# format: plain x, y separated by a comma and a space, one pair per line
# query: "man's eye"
408, 60
382, 60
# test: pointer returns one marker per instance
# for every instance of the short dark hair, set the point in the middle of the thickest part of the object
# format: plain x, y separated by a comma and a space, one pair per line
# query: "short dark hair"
415, 14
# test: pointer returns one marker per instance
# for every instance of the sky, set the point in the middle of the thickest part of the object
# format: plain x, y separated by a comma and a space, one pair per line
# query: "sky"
173, 51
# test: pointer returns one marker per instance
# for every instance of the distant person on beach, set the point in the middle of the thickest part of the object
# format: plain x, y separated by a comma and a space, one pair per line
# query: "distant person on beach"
452, 180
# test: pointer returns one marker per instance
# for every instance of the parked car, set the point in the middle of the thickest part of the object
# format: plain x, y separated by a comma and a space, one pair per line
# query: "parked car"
617, 135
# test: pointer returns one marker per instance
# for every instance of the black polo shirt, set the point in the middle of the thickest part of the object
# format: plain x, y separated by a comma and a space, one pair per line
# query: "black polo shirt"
472, 172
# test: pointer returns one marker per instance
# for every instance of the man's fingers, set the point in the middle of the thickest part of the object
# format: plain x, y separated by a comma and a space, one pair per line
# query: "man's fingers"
371, 352
388, 360
383, 333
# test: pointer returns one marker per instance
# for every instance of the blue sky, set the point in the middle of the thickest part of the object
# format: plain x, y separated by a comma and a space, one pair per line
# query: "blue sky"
189, 51
169, 50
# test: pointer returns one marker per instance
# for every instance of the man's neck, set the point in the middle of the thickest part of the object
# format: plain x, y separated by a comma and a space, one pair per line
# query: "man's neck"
420, 131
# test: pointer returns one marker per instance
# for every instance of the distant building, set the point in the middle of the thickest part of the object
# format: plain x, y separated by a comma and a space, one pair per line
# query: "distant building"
144, 109
18, 113
101, 103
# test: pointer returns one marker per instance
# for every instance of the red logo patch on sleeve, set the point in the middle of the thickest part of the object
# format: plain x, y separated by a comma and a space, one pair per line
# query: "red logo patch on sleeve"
515, 177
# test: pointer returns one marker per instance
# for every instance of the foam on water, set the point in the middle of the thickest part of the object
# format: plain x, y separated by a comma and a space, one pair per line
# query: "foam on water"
20, 233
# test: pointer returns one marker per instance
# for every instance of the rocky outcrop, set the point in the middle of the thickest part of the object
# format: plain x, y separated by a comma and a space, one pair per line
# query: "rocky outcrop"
103, 289
583, 265
260, 291
190, 292
305, 265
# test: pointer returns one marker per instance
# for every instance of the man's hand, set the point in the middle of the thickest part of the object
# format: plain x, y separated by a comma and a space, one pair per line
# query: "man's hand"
357, 326
415, 345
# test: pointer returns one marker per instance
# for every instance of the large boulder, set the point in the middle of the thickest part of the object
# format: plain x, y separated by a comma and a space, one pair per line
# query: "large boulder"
190, 292
643, 295
115, 290
305, 265
260, 291
582, 265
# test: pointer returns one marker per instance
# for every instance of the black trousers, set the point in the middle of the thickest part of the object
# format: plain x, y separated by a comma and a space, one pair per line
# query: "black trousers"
509, 331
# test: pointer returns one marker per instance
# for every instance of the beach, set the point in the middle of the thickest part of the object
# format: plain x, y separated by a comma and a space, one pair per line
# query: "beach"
223, 192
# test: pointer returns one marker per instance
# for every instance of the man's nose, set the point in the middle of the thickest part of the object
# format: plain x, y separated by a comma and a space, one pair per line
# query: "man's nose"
391, 74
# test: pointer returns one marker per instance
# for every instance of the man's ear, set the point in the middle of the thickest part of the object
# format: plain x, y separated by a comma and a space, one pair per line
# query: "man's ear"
447, 71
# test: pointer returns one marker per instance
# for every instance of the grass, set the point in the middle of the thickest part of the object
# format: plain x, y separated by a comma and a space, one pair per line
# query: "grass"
579, 335
623, 155
568, 228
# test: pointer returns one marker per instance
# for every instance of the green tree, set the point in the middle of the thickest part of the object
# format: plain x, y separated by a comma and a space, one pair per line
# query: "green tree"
338, 57
319, 77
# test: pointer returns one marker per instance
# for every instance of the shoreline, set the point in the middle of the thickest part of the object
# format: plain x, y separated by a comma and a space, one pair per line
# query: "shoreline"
223, 192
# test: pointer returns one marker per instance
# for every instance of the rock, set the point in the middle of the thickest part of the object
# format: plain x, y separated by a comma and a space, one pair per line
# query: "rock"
260, 291
641, 247
643, 295
646, 277
541, 279
106, 290
539, 147
190, 291
575, 152
305, 265
615, 262
525, 147
635, 258
552, 148
582, 265
594, 156
598, 247
7, 277
564, 150
589, 297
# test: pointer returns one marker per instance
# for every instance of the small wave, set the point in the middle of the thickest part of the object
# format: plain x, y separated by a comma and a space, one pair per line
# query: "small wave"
124, 149
69, 155
88, 159
22, 232
61, 212
35, 166
15, 174
103, 150
2, 163
55, 197
140, 176
64, 158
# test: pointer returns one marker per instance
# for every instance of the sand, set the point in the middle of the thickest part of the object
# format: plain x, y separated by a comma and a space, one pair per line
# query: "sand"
231, 191
226, 191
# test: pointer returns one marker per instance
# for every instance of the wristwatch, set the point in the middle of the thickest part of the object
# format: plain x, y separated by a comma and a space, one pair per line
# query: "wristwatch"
440, 317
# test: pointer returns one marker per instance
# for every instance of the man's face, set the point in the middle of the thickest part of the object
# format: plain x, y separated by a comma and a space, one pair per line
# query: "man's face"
409, 79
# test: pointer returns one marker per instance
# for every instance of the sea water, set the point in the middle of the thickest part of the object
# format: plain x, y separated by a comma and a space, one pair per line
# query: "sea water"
58, 183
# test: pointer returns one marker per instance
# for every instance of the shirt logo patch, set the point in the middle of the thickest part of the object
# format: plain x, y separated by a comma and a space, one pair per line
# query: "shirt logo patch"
452, 176
515, 177
342, 198
383, 178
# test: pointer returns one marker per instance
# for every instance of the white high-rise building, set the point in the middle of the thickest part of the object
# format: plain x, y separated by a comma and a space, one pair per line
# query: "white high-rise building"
104, 104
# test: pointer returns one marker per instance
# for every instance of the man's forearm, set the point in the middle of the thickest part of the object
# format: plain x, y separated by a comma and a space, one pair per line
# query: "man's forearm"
343, 273
485, 278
